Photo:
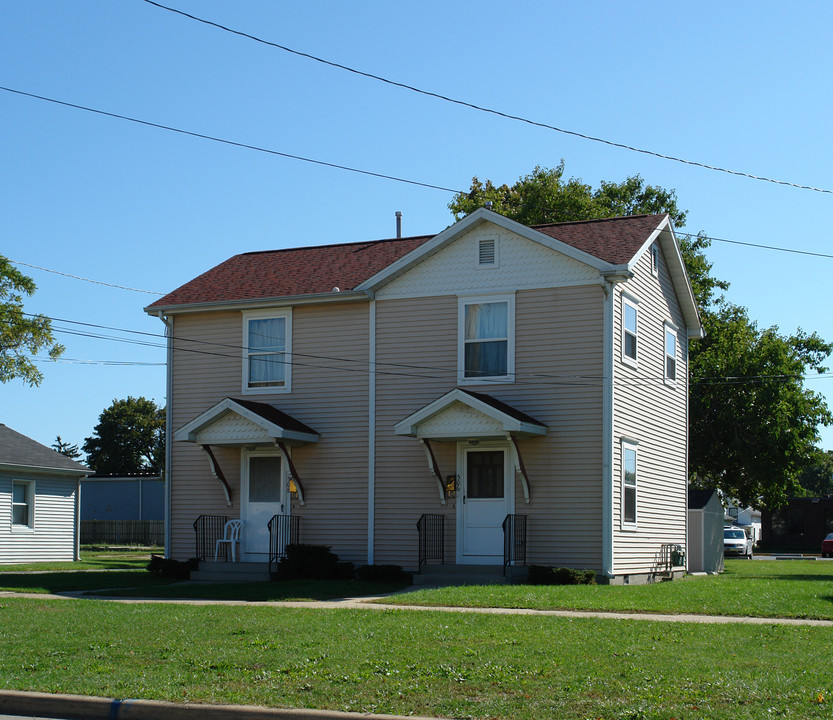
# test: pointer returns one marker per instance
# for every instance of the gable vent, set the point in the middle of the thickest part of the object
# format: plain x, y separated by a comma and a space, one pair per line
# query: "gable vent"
487, 252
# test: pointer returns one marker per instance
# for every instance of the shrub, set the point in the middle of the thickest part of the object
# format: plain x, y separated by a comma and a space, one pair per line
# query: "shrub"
312, 562
542, 575
383, 574
177, 569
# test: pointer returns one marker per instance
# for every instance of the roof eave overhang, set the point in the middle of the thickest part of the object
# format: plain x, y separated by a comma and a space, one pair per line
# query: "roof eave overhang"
468, 223
664, 234
43, 470
510, 425
258, 303
271, 432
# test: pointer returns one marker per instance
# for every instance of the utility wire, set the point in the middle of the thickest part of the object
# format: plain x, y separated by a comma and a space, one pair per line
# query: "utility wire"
479, 108
544, 379
247, 146
756, 245
78, 277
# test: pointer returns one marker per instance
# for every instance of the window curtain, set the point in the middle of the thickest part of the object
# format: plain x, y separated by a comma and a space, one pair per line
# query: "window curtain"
267, 343
487, 327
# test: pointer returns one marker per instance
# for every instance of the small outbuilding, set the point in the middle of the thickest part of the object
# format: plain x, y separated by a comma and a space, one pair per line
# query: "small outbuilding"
705, 531
39, 501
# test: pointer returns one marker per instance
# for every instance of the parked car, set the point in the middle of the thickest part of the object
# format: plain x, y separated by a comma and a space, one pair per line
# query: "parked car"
827, 546
736, 542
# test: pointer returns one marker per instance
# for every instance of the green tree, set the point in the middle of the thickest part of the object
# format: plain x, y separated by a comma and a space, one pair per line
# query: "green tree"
753, 425
65, 448
129, 438
817, 479
21, 335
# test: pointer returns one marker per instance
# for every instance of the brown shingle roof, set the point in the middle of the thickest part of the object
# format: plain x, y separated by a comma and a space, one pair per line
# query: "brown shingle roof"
291, 272
312, 270
614, 240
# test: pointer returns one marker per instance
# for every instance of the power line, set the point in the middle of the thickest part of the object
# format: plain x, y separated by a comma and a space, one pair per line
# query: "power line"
479, 108
78, 277
233, 143
756, 245
551, 379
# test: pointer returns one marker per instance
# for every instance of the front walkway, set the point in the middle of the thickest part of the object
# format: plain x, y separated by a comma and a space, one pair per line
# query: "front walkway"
376, 603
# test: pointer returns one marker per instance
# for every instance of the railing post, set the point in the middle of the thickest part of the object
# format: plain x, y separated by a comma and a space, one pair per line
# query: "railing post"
283, 530
431, 529
514, 540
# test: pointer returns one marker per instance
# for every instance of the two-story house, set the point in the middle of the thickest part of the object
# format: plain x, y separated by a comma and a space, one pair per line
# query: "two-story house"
519, 392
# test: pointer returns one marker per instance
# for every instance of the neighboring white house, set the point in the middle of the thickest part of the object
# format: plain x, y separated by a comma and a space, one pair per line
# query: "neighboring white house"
519, 393
747, 518
39, 501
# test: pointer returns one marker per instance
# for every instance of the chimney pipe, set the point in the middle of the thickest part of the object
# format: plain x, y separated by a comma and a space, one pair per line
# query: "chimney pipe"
398, 223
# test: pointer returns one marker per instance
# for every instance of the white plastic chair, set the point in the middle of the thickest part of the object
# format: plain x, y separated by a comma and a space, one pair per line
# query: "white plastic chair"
231, 535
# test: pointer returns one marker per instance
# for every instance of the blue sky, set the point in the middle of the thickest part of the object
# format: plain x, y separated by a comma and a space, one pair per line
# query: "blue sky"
743, 85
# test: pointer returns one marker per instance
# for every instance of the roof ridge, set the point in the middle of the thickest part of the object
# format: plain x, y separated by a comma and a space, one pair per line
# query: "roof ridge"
363, 243
599, 220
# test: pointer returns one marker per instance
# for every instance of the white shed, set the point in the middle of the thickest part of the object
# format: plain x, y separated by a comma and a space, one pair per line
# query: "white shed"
705, 531
39, 501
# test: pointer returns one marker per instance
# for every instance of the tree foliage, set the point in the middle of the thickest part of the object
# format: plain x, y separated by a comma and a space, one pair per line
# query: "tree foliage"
753, 425
129, 438
66, 449
21, 335
817, 479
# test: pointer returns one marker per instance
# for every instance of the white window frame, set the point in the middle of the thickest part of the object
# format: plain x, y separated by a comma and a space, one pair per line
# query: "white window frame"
628, 446
30, 504
286, 315
669, 330
655, 260
464, 301
632, 302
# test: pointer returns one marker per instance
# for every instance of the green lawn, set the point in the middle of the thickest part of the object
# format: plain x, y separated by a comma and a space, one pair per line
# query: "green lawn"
93, 559
760, 588
427, 663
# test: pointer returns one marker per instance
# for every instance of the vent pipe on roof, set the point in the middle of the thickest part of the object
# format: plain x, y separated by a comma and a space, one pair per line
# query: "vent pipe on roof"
398, 223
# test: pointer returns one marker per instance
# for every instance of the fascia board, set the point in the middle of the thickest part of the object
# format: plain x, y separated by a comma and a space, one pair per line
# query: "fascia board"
14, 468
260, 303
468, 223
188, 433
409, 425
664, 232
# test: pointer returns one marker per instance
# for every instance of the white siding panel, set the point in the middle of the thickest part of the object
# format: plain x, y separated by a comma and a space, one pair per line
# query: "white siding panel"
654, 413
558, 363
329, 394
53, 536
522, 265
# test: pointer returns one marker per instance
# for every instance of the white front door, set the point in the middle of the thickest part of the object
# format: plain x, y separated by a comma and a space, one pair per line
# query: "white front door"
487, 497
262, 496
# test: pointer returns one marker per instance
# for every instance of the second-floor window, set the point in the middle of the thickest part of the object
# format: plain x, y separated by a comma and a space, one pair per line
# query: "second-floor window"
630, 326
670, 354
487, 339
266, 339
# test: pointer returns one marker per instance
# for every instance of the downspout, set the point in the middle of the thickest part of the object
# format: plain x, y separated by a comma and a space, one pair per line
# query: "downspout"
371, 435
76, 551
607, 430
169, 332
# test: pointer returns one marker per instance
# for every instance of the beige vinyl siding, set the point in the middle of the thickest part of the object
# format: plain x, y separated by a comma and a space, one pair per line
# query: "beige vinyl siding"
654, 413
53, 535
558, 349
329, 393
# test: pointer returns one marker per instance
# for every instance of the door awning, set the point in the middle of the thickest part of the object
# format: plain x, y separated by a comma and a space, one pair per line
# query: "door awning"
236, 422
465, 415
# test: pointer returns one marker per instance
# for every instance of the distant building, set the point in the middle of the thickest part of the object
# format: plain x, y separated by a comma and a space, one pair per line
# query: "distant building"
135, 496
799, 526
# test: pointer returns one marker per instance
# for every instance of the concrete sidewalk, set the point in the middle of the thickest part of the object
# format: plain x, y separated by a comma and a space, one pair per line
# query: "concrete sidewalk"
80, 707
376, 603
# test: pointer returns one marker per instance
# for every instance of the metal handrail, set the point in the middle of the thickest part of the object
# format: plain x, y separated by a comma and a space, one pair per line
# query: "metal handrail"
283, 530
208, 530
514, 540
431, 529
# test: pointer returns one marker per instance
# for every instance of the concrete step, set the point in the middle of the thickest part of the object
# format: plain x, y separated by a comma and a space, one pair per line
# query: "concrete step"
437, 575
225, 572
